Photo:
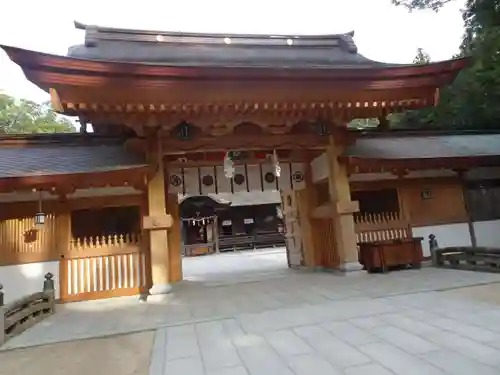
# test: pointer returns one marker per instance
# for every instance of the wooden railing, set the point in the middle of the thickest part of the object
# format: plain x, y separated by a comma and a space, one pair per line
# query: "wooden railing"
19, 315
247, 242
381, 227
99, 242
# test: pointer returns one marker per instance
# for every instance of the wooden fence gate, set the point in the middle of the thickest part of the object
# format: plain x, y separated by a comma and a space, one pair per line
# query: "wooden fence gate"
104, 267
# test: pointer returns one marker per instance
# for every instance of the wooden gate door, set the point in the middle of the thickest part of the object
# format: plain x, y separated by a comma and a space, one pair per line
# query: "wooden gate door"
103, 267
293, 234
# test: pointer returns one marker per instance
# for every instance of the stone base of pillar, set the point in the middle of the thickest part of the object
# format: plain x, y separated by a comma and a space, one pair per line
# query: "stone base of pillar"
160, 289
350, 267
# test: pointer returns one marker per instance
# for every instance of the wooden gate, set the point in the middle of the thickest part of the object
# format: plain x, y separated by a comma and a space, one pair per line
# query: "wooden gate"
103, 267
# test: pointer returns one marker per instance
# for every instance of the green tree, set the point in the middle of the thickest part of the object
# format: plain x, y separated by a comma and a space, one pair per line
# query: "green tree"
472, 100
24, 116
422, 57
421, 4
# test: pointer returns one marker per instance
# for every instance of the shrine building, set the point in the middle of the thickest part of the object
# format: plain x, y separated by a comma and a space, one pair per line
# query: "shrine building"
185, 114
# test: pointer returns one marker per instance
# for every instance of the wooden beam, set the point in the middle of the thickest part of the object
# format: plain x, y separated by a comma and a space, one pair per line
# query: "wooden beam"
236, 143
55, 101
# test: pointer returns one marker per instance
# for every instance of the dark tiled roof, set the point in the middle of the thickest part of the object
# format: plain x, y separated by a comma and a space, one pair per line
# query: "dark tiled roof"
244, 198
39, 160
191, 49
425, 146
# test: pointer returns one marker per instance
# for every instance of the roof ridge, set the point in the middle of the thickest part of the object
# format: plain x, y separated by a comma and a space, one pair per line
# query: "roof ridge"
119, 30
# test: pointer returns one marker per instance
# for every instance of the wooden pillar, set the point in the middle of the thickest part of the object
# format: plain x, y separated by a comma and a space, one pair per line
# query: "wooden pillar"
63, 239
158, 237
174, 239
306, 200
216, 233
343, 209
465, 199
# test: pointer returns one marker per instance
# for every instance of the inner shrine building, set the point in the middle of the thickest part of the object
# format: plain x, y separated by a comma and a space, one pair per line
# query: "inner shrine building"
176, 114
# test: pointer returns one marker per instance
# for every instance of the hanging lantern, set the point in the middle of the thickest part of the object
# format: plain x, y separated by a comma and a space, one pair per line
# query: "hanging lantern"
276, 162
228, 165
40, 216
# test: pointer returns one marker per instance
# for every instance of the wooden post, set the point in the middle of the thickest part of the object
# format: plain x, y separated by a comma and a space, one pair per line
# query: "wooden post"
470, 223
2, 317
307, 201
216, 233
63, 231
158, 238
343, 209
174, 239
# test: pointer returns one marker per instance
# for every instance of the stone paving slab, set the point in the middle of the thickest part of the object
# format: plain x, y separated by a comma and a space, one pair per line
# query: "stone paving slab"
119, 355
270, 303
409, 322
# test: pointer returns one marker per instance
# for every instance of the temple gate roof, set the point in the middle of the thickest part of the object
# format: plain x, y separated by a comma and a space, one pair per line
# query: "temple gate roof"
220, 50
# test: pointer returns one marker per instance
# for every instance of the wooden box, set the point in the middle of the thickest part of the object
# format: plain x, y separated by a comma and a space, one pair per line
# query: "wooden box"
382, 255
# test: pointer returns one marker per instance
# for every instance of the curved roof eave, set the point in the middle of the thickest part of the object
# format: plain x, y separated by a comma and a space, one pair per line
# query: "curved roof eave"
33, 60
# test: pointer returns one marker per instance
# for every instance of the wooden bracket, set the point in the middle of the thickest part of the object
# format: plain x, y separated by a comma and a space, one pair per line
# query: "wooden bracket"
345, 208
55, 101
157, 222
328, 210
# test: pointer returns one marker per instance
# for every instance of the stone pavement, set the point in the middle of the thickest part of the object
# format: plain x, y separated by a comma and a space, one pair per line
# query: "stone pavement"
116, 355
424, 333
299, 322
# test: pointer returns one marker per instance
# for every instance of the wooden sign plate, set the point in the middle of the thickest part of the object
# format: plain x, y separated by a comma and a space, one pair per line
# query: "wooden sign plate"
157, 222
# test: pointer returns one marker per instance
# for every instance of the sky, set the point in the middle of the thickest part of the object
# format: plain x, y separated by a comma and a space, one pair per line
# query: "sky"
383, 32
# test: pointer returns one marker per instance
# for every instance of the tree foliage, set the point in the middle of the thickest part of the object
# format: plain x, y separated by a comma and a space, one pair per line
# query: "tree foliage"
422, 57
472, 100
421, 4
24, 116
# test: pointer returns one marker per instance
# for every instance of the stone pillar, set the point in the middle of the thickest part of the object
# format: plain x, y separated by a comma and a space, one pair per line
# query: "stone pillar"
158, 238
343, 209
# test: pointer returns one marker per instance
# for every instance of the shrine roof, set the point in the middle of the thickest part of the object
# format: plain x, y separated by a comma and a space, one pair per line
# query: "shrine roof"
242, 198
160, 71
220, 50
39, 158
249, 198
424, 146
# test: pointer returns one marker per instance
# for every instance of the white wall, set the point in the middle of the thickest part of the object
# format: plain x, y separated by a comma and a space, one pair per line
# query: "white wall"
24, 279
446, 235
487, 233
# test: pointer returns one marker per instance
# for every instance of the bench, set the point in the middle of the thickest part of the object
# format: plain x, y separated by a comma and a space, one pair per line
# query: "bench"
269, 239
237, 242
199, 249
